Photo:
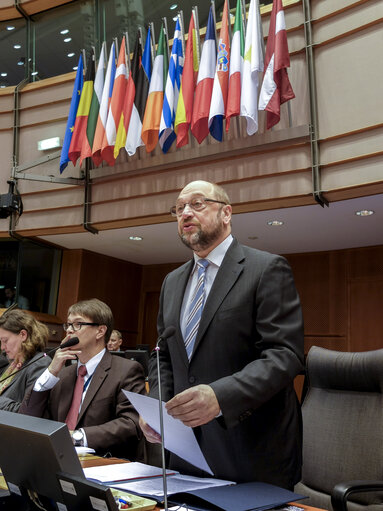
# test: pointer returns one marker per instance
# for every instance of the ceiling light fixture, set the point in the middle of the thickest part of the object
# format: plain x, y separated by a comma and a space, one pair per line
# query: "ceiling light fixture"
173, 6
10, 27
17, 46
71, 54
65, 31
75, 68
4, 74
364, 212
67, 40
275, 223
34, 73
136, 238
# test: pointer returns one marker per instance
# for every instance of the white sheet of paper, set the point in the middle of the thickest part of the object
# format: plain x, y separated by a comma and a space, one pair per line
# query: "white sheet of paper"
178, 438
123, 471
175, 484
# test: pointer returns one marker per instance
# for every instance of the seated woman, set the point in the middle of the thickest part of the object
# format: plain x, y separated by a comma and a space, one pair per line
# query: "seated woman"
23, 340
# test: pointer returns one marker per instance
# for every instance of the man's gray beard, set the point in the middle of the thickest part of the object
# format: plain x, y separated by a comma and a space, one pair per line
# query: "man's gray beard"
203, 240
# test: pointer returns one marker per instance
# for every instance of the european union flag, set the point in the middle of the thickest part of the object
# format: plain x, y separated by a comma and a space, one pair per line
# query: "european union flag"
78, 84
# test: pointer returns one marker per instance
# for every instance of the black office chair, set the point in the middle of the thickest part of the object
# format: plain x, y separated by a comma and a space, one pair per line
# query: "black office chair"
343, 431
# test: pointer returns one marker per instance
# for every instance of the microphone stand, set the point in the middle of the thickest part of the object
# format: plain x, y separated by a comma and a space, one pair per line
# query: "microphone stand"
157, 348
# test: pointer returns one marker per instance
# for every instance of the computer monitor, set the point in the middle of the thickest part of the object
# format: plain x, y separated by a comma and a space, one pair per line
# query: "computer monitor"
141, 356
33, 451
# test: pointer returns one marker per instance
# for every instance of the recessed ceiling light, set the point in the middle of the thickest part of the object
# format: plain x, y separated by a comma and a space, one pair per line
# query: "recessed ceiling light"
136, 238
173, 6
17, 46
65, 31
67, 39
71, 54
2, 86
364, 212
175, 18
75, 68
34, 73
274, 223
21, 62
4, 74
10, 27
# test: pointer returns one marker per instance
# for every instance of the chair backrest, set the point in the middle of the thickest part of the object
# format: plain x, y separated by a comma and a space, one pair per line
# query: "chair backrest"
342, 425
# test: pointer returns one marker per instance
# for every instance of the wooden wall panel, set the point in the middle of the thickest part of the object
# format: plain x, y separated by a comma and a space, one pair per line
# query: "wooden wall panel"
87, 275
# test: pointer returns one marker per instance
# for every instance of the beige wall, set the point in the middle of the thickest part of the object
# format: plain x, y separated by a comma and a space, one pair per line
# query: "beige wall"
269, 169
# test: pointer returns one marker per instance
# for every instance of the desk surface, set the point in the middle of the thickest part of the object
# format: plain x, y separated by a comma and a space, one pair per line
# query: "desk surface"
95, 461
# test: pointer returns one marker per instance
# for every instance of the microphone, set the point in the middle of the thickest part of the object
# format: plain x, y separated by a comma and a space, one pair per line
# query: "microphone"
168, 332
70, 342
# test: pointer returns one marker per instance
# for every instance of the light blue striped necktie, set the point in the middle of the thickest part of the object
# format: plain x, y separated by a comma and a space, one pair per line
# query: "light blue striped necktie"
196, 307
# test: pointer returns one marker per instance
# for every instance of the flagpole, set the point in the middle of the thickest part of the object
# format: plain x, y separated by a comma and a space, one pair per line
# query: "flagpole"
84, 59
229, 19
244, 19
127, 52
212, 5
196, 23
153, 41
181, 20
165, 22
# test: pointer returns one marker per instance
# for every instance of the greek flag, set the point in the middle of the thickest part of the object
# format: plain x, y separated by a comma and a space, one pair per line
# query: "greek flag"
172, 89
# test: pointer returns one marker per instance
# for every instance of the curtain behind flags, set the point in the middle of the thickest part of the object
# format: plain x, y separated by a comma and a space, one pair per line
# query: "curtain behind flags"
276, 88
76, 94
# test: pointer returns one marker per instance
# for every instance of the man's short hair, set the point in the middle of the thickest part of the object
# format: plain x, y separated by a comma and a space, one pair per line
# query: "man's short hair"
118, 333
220, 194
96, 310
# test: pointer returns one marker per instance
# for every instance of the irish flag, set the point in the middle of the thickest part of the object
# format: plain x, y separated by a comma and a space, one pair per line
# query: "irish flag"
276, 88
153, 110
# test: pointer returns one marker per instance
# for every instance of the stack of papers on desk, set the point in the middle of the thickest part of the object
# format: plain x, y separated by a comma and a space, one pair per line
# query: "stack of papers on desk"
123, 472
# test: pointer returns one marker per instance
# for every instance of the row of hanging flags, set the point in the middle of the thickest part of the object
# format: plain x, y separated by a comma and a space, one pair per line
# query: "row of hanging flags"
146, 103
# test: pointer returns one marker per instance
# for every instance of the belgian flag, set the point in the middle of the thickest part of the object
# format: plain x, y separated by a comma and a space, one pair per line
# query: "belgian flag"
80, 147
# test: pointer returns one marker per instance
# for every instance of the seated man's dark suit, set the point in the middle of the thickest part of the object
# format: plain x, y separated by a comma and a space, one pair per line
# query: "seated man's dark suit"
109, 420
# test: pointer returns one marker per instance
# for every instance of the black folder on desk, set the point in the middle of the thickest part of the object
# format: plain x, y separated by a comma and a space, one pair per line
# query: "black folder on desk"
254, 496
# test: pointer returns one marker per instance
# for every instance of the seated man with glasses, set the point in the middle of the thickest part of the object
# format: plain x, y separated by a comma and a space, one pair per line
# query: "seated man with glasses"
87, 395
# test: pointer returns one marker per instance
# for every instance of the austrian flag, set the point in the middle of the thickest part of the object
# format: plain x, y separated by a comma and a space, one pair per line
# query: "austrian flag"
276, 87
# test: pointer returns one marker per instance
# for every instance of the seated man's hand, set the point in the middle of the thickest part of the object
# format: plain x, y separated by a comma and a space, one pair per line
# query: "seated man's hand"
151, 436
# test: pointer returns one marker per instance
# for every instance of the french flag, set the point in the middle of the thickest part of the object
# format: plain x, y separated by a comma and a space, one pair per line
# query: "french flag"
205, 80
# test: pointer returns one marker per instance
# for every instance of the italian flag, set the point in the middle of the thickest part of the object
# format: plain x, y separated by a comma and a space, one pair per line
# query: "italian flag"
236, 67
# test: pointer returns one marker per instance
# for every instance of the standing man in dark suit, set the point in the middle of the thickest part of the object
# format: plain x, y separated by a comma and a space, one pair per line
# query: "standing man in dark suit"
233, 382
103, 418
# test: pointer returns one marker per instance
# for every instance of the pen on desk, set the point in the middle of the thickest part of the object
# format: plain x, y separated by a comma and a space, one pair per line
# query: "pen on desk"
126, 503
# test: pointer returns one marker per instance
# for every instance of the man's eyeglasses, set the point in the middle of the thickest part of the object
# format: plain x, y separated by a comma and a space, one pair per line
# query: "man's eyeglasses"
76, 326
197, 204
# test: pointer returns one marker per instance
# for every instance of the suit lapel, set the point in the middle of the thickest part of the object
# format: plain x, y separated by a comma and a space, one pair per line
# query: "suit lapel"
227, 275
98, 377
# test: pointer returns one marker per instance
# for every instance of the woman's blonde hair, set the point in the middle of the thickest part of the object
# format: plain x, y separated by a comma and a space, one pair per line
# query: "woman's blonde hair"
37, 333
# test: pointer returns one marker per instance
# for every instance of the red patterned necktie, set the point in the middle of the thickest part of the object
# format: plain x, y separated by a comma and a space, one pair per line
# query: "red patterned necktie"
71, 418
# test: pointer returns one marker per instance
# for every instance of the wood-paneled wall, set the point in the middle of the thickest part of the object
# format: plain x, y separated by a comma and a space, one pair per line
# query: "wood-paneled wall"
341, 293
87, 275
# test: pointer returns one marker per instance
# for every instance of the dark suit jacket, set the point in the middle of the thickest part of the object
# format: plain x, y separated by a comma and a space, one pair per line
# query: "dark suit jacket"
109, 420
13, 395
249, 348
